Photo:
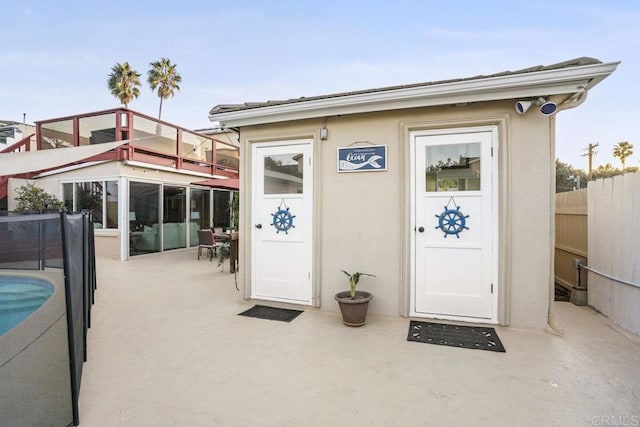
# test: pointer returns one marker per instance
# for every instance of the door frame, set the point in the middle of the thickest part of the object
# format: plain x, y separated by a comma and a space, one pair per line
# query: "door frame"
310, 244
493, 130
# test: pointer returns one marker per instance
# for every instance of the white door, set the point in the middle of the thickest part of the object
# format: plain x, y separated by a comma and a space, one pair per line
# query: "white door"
453, 263
282, 222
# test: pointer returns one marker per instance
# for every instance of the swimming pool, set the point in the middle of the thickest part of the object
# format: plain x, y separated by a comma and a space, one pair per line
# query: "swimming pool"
19, 298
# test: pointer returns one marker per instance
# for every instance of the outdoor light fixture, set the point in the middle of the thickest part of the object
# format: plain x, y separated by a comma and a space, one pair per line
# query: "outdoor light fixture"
324, 132
547, 108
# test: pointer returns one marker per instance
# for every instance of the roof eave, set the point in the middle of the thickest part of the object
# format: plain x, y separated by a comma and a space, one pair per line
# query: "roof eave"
542, 83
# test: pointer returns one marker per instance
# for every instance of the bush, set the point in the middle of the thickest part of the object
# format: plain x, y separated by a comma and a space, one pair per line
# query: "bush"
34, 199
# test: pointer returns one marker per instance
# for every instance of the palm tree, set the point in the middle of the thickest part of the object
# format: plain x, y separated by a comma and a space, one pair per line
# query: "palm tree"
622, 150
124, 82
165, 78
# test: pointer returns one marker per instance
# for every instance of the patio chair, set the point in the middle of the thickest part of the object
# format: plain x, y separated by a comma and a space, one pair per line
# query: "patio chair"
207, 241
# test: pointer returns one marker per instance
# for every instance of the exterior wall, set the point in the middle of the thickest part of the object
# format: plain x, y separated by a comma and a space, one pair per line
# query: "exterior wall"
22, 131
108, 244
531, 206
362, 219
15, 183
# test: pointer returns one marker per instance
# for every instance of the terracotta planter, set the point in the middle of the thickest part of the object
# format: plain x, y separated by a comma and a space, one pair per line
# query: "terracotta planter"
354, 311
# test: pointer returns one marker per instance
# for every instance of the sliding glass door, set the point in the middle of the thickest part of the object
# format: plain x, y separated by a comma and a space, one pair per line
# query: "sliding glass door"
181, 211
144, 210
174, 223
200, 213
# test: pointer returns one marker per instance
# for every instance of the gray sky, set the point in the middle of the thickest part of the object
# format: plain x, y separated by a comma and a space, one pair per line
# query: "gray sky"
56, 55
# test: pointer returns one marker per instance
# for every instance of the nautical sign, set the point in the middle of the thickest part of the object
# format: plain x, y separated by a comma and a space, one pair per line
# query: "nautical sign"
361, 159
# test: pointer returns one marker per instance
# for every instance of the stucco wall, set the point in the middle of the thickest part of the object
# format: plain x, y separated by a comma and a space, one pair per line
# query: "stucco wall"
15, 183
362, 219
107, 244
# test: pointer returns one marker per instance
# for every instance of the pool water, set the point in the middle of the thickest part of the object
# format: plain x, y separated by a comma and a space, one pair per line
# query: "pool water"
19, 298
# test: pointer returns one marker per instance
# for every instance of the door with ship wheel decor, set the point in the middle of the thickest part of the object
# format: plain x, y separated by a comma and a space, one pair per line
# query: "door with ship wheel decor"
453, 198
282, 222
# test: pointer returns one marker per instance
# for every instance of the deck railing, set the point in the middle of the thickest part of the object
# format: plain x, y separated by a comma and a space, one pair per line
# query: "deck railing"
151, 141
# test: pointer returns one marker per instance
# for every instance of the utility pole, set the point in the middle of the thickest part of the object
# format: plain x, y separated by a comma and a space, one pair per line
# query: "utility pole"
590, 152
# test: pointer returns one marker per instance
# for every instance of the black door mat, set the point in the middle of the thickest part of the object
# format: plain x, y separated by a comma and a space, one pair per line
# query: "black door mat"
474, 337
271, 313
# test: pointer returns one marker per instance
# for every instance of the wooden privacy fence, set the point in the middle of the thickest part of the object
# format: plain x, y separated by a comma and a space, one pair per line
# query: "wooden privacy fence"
571, 237
600, 227
614, 249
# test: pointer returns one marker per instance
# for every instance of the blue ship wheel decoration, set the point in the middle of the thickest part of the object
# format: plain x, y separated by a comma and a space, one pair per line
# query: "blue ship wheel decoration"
283, 219
452, 221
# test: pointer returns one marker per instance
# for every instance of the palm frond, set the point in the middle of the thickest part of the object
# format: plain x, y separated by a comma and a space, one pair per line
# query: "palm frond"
163, 79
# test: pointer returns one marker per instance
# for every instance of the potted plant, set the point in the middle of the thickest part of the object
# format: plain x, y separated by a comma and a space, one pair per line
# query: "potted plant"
354, 304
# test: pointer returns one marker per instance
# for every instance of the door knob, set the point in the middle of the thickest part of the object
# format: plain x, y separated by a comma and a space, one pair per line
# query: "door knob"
421, 229
258, 226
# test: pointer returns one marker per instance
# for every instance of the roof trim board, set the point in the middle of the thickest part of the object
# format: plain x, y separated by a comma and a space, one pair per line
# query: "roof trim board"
547, 82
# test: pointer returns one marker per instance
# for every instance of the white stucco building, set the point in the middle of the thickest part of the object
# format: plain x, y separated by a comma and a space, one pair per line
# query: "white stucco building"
443, 190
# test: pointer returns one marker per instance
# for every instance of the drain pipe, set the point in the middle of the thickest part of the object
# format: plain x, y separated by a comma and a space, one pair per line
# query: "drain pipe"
574, 100
579, 292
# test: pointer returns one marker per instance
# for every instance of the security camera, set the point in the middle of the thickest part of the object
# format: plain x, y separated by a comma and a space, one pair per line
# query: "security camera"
522, 106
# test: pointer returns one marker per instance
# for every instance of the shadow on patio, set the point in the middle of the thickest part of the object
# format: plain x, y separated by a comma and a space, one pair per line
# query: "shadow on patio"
167, 348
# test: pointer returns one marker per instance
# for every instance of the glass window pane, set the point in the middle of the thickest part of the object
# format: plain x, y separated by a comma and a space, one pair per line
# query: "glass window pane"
89, 197
67, 196
144, 206
112, 204
196, 147
453, 167
283, 173
56, 134
155, 136
227, 155
175, 217
221, 211
97, 129
200, 213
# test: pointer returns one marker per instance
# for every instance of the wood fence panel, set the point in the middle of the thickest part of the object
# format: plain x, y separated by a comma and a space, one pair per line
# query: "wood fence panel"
571, 236
614, 248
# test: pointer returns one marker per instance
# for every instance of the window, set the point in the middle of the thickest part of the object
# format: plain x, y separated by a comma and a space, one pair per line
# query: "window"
200, 212
144, 205
452, 167
283, 173
92, 196
221, 211
174, 217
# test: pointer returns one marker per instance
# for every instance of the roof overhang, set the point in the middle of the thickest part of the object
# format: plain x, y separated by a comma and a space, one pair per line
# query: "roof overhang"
571, 80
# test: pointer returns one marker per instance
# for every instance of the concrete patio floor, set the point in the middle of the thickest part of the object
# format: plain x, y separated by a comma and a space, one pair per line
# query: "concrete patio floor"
166, 348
